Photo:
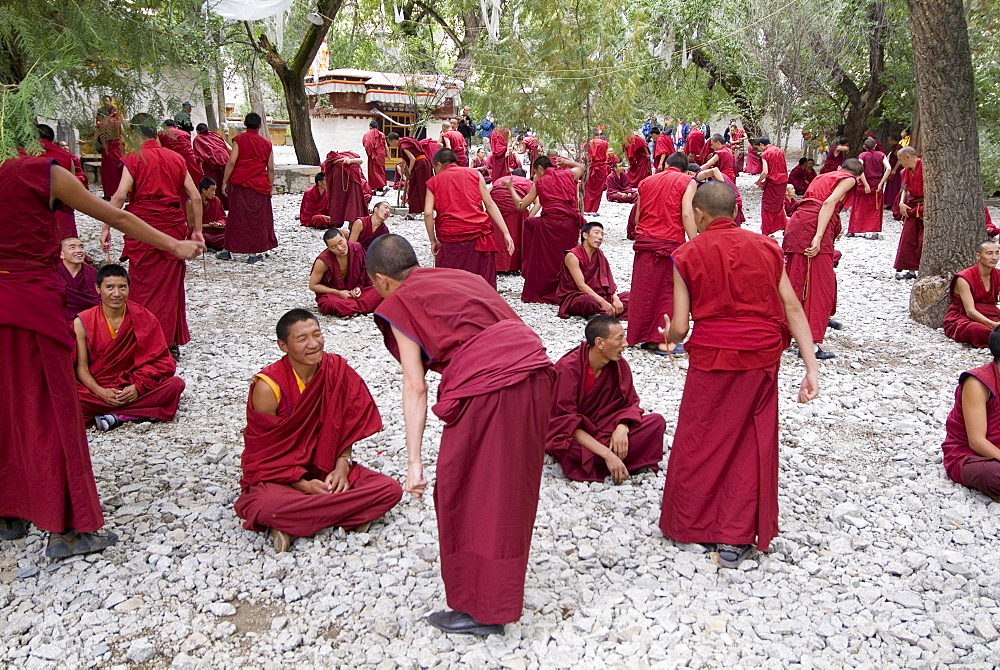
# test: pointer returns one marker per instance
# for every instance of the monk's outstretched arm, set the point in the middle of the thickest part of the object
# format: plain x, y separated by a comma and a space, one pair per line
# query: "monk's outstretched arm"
763, 172
711, 161
799, 327
522, 203
826, 213
965, 293
687, 211
414, 412
974, 398
429, 222
194, 199
674, 331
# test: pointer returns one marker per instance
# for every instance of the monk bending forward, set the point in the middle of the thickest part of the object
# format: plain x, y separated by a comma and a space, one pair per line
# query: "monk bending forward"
597, 427
494, 399
722, 476
973, 313
304, 414
123, 367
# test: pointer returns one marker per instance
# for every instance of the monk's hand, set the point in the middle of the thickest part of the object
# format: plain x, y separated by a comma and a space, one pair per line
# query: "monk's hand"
225, 188
606, 306
435, 247
616, 302
188, 249
868, 189
106, 239
415, 482
198, 236
665, 331
313, 487
619, 472
337, 481
355, 292
108, 396
903, 209
508, 243
619, 441
128, 394
809, 388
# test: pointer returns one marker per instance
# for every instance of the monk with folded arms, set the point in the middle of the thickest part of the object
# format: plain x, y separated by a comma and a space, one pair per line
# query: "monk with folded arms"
123, 368
304, 415
586, 286
494, 399
597, 428
722, 475
339, 280
314, 212
973, 313
78, 277
46, 477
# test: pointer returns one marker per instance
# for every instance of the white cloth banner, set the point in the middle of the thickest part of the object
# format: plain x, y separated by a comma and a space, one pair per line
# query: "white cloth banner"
248, 10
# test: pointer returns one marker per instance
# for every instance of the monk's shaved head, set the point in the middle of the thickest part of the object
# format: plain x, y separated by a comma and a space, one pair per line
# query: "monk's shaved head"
332, 233
543, 162
907, 151
716, 199
45, 132
145, 124
445, 156
601, 326
392, 256
290, 318
854, 166
869, 144
252, 121
677, 160
979, 249
392, 136
995, 344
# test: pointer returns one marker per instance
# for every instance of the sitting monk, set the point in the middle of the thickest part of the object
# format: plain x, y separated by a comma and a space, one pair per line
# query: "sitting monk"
314, 211
597, 427
340, 280
213, 215
619, 186
586, 286
78, 278
972, 431
367, 228
123, 369
973, 312
304, 414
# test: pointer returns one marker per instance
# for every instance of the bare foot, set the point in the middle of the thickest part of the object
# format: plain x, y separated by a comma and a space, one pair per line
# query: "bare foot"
363, 528
282, 540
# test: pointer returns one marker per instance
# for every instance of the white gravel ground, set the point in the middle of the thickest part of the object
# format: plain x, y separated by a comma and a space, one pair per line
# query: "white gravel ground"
881, 561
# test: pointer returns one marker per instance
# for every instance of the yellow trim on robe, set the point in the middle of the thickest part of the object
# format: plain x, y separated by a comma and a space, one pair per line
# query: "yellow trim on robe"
111, 329
274, 385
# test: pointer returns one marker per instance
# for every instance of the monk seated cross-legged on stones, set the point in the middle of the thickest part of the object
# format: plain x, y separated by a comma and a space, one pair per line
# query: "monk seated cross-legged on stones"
586, 286
304, 415
367, 228
314, 212
973, 313
78, 277
340, 280
597, 428
123, 368
213, 214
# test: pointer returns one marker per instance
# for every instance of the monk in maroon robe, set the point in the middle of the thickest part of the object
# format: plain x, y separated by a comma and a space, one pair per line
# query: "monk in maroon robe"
513, 217
46, 478
79, 278
808, 246
304, 415
973, 313
124, 371
753, 163
835, 156
722, 475
911, 208
417, 169
694, 144
721, 157
546, 237
454, 140
345, 187
375, 148
637, 155
532, 147
597, 172
248, 181
737, 144
586, 286
314, 210
866, 213
663, 148
802, 175
481, 165
664, 220
179, 141
619, 186
108, 143
971, 447
894, 182
365, 230
155, 180
339, 280
493, 368
597, 428
213, 153
430, 147
499, 150
213, 215
460, 216
715, 174
64, 215
772, 180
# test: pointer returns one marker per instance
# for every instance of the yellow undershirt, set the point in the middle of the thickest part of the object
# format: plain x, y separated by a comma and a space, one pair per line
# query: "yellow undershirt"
261, 377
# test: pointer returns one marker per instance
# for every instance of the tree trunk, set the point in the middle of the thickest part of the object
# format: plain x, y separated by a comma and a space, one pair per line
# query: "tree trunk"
732, 84
297, 102
953, 217
210, 120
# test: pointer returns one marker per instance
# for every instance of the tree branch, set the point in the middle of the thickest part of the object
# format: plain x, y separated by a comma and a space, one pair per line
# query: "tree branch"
440, 21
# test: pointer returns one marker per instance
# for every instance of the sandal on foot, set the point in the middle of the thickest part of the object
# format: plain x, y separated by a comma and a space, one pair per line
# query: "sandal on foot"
731, 555
12, 528
653, 348
72, 543
106, 422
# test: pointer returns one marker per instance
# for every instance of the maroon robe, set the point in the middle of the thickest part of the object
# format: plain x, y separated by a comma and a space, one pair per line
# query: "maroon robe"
461, 225
374, 143
957, 325
416, 180
726, 162
637, 154
367, 234
694, 145
135, 355
597, 176
736, 139
963, 465
250, 228
493, 367
533, 147
597, 275
664, 147
312, 428
458, 146
80, 290
514, 219
481, 165
894, 183
345, 188
866, 213
65, 216
213, 152
598, 406
157, 277
800, 178
314, 209
499, 166
356, 277
772, 201
108, 136
814, 279
727, 427
546, 237
179, 141
620, 189
753, 164
213, 223
46, 475
834, 161
911, 239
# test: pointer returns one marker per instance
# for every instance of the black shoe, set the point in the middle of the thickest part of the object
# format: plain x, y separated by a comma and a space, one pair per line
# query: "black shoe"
824, 355
224, 256
254, 258
460, 622
12, 528
836, 325
848, 234
731, 555
72, 543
